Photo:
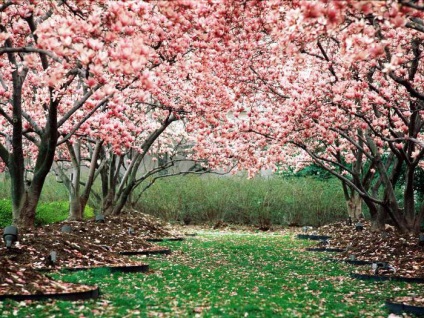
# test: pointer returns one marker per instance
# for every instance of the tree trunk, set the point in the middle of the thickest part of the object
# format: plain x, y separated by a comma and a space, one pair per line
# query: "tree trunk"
107, 204
91, 177
24, 217
122, 200
15, 160
25, 203
354, 206
409, 197
83, 203
378, 222
75, 209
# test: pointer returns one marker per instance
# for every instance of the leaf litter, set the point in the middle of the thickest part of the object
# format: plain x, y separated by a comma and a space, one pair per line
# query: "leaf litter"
89, 245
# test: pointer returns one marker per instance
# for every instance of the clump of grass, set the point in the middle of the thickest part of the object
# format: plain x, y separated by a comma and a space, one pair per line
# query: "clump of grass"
230, 275
284, 201
53, 206
5, 213
53, 212
50, 212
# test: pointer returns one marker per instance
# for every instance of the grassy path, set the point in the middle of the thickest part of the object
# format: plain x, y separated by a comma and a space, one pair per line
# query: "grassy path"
227, 275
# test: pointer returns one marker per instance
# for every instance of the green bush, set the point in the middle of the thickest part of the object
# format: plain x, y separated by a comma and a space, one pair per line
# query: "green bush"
50, 212
53, 206
276, 200
5, 213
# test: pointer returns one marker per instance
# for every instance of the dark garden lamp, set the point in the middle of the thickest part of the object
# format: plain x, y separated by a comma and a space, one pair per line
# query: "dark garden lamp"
325, 242
383, 266
359, 226
53, 256
100, 218
66, 229
10, 235
307, 228
421, 239
349, 221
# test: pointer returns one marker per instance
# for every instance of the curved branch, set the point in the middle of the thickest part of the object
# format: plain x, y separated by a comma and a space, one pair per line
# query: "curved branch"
411, 4
268, 85
341, 133
5, 115
34, 125
33, 28
408, 86
415, 62
77, 106
5, 5
25, 49
414, 25
324, 53
86, 117
339, 176
4, 155
3, 84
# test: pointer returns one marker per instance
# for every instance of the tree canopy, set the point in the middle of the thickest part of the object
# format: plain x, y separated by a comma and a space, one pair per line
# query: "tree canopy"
254, 84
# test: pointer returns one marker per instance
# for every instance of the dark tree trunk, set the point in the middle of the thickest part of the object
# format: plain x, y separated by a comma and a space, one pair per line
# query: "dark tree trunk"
123, 199
108, 202
26, 193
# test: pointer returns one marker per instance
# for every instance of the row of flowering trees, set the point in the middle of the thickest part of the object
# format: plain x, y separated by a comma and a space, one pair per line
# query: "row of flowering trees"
338, 83
258, 84
108, 75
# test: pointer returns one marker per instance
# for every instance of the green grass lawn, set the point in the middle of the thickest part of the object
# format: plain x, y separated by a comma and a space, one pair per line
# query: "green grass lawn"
227, 275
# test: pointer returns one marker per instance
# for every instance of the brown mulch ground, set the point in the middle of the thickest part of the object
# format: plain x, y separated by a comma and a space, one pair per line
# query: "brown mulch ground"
90, 244
410, 301
399, 250
124, 233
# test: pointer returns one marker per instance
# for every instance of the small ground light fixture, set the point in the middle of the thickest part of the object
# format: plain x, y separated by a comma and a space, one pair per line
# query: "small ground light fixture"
53, 256
421, 239
100, 218
325, 242
359, 226
382, 265
66, 229
306, 229
10, 235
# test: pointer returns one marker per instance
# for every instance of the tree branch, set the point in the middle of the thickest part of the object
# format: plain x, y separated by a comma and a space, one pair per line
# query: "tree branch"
411, 4
77, 106
24, 49
407, 85
34, 125
331, 68
339, 176
5, 5
415, 62
5, 115
33, 28
4, 155
86, 117
268, 85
